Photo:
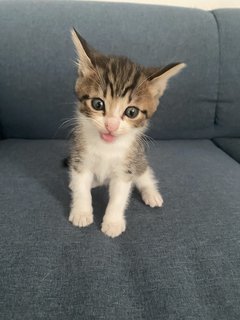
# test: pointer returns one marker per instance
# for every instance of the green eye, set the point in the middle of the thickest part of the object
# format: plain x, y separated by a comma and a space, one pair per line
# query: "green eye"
98, 104
131, 112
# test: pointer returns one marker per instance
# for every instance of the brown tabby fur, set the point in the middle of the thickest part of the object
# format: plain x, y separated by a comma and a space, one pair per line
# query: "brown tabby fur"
117, 80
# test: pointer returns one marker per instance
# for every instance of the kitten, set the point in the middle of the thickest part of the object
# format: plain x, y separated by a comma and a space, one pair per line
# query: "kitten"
116, 99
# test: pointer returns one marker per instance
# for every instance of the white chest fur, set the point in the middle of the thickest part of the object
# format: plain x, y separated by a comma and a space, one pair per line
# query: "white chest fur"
105, 160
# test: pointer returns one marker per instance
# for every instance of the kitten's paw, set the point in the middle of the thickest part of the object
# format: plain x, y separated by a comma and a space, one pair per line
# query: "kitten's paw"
152, 198
112, 228
80, 219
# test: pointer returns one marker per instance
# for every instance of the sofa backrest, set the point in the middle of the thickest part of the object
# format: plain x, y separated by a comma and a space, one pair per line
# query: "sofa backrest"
227, 122
37, 72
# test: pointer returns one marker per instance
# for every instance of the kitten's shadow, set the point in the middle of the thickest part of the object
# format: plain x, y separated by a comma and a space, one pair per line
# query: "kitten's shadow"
40, 163
99, 201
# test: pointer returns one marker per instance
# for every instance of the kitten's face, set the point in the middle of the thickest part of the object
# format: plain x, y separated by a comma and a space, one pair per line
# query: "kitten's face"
116, 95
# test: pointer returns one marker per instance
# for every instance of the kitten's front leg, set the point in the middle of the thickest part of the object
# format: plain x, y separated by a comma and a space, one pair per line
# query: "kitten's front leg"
114, 221
81, 207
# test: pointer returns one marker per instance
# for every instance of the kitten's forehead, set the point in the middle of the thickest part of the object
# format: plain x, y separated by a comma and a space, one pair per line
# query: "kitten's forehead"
120, 76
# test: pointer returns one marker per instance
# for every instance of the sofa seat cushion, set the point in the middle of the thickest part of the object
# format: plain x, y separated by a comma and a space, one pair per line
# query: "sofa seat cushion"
181, 261
230, 145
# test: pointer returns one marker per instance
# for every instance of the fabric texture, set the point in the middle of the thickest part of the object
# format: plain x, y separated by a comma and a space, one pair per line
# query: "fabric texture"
228, 106
181, 261
38, 73
230, 146
177, 262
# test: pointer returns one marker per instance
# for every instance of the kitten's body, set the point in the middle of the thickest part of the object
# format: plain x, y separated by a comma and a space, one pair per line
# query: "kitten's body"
107, 141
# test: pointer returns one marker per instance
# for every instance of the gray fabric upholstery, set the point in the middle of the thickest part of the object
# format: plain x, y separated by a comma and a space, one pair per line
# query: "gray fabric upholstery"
228, 106
202, 102
37, 70
230, 145
181, 261
176, 262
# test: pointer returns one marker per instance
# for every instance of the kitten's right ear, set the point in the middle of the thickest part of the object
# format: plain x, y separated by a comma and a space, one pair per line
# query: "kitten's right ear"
85, 59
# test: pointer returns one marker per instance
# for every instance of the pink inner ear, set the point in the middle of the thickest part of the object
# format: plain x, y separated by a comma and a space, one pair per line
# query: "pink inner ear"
112, 123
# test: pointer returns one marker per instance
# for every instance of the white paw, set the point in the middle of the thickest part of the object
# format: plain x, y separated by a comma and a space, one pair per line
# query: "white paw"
113, 228
152, 198
80, 219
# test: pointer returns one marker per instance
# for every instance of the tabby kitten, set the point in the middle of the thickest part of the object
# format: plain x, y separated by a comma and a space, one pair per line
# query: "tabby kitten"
116, 99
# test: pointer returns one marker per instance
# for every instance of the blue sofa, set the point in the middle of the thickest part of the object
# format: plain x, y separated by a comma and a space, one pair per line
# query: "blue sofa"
181, 261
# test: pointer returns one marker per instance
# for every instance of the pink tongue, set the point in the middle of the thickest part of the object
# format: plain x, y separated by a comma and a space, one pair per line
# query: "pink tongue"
107, 137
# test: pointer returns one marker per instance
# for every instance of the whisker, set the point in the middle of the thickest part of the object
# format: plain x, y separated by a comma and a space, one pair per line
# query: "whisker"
98, 122
69, 122
149, 140
143, 143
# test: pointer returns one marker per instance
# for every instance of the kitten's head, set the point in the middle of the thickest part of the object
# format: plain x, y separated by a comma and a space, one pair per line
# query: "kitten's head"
116, 95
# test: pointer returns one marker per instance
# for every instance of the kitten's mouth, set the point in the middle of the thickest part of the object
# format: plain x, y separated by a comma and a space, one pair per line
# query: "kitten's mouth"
108, 137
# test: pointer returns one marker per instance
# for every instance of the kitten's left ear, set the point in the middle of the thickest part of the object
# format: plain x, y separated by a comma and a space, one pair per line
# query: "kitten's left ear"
159, 79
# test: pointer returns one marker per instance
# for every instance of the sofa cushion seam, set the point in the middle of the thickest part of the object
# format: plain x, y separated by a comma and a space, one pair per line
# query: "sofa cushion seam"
219, 62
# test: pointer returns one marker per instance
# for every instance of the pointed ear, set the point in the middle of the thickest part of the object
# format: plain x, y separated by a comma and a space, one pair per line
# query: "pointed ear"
159, 79
85, 57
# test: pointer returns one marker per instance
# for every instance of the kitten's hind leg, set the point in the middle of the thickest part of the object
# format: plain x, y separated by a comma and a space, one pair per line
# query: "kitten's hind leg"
147, 185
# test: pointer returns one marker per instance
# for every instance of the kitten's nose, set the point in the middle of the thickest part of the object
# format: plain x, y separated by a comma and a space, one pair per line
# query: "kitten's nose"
112, 124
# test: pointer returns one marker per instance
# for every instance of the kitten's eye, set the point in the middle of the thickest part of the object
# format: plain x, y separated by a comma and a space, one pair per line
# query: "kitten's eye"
131, 112
98, 104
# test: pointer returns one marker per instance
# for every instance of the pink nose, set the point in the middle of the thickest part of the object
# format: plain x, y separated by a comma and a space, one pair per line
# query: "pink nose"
112, 124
